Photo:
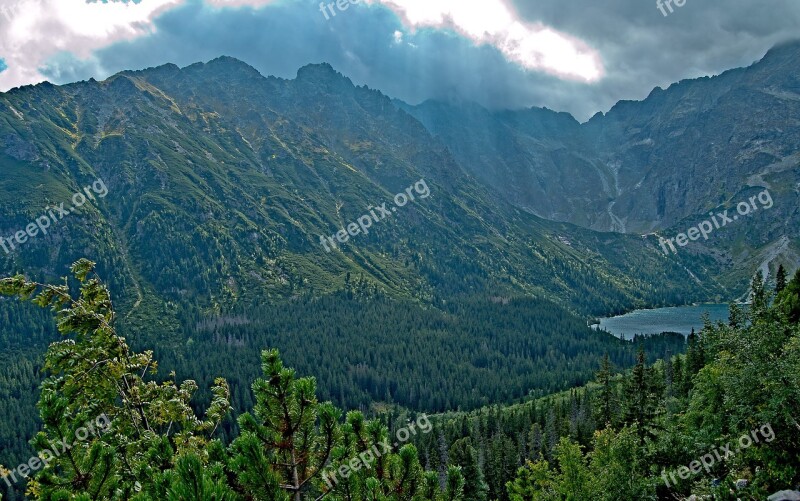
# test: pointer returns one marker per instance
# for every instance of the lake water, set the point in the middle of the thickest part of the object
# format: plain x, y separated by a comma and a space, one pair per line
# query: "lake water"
679, 319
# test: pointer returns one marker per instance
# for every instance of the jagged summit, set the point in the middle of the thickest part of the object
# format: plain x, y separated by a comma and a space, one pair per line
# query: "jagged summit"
316, 70
323, 74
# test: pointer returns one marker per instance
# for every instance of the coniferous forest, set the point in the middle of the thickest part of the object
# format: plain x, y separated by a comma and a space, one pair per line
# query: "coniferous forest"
646, 433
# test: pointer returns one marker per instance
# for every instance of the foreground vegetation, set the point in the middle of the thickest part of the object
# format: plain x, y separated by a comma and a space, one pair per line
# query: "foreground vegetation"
625, 437
613, 439
156, 448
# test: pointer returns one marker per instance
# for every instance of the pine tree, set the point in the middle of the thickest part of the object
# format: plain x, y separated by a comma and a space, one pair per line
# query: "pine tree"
126, 436
535, 442
669, 376
695, 355
678, 376
98, 394
288, 428
735, 315
534, 482
759, 297
640, 402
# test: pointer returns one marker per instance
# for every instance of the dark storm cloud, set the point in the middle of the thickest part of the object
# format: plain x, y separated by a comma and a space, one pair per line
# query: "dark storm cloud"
643, 49
640, 48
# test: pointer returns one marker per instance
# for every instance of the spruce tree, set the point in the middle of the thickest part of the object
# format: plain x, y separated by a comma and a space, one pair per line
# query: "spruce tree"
780, 279
640, 402
605, 397
462, 454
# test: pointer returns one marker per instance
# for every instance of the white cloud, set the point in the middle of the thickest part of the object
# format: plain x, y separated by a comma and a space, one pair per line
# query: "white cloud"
32, 31
239, 3
493, 22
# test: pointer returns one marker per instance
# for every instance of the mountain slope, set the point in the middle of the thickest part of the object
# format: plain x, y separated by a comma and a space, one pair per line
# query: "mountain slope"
221, 180
653, 165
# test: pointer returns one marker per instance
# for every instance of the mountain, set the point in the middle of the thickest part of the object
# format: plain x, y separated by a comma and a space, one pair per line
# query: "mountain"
659, 165
222, 180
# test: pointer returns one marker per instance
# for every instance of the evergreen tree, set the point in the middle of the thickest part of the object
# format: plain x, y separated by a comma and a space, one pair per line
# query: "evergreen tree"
574, 481
669, 378
695, 354
605, 397
465, 456
535, 442
787, 304
639, 398
678, 376
780, 279
129, 438
288, 428
759, 298
534, 482
97, 395
735, 315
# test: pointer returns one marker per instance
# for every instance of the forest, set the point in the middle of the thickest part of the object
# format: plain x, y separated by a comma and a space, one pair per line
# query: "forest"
463, 355
618, 437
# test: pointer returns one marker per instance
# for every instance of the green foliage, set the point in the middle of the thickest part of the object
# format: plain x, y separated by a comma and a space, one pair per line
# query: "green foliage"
464, 455
147, 444
787, 302
218, 193
780, 279
293, 435
736, 379
93, 373
605, 396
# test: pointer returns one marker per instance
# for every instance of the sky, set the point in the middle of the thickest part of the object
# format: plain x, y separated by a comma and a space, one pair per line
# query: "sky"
579, 56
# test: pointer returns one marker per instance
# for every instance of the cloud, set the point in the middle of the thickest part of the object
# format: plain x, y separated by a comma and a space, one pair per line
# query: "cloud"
31, 31
533, 46
239, 3
444, 52
38, 34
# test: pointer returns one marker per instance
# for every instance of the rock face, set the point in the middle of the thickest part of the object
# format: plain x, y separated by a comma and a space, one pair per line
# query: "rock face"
647, 166
18, 149
785, 496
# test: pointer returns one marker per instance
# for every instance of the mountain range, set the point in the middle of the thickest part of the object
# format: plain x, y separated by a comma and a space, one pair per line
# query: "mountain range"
221, 180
